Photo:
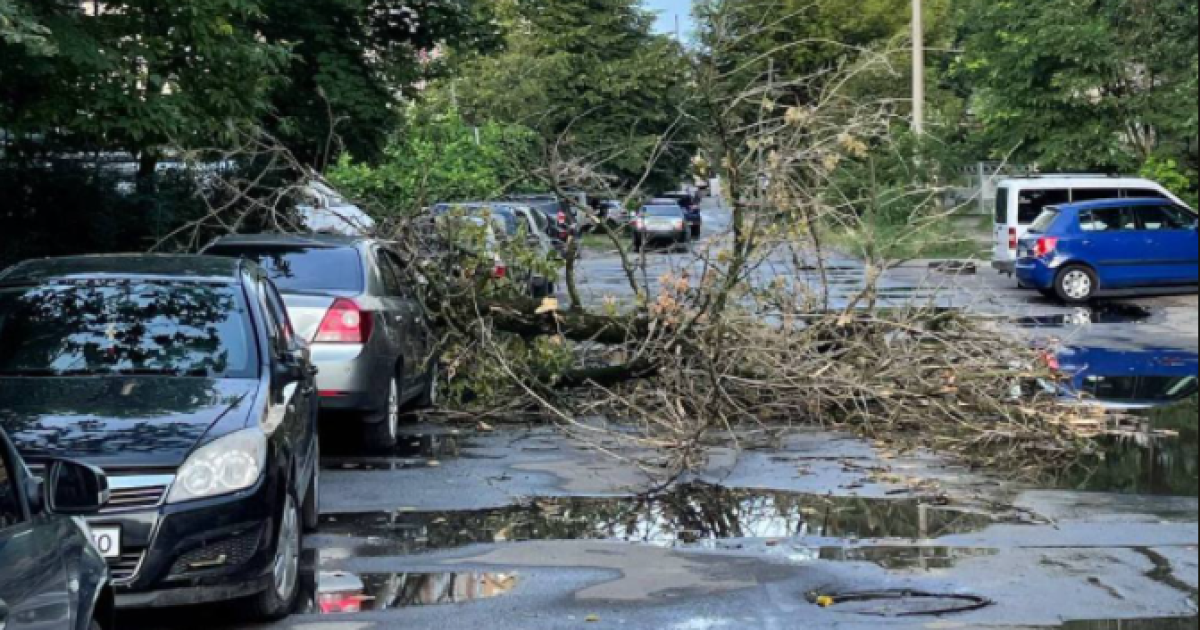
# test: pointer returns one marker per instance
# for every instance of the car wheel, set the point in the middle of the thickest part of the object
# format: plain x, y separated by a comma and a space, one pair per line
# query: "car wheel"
382, 431
1076, 285
312, 501
429, 394
278, 601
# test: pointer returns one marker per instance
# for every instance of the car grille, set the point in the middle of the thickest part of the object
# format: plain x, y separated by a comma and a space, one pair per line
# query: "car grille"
124, 499
224, 554
122, 570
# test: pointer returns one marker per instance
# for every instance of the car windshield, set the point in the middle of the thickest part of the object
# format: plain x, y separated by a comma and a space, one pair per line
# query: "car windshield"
125, 327
664, 211
1046, 221
300, 269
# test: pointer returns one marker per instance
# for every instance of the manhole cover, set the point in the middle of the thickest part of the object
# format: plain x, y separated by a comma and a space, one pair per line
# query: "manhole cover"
901, 603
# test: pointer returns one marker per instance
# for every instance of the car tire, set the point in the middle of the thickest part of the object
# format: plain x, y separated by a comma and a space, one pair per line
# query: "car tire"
381, 430
312, 501
1076, 285
279, 600
429, 393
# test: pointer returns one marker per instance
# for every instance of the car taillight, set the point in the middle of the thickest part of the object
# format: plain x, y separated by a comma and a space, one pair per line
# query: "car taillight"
1052, 362
345, 323
339, 603
1012, 238
500, 271
562, 218
679, 225
639, 224
1045, 247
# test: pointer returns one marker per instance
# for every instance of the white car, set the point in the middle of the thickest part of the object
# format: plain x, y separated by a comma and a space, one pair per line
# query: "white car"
1020, 201
324, 211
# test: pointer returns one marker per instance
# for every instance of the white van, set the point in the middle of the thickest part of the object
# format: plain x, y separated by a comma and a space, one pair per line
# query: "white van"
1020, 201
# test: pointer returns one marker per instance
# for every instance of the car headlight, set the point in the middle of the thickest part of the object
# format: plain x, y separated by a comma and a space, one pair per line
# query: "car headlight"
227, 465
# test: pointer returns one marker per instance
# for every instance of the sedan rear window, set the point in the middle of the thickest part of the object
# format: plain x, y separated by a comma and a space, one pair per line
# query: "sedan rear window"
126, 327
299, 269
664, 211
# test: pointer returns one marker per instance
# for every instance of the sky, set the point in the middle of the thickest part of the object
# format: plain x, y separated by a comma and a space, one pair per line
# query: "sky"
668, 9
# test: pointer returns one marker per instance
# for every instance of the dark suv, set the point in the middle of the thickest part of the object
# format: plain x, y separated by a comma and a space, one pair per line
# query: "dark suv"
182, 378
348, 299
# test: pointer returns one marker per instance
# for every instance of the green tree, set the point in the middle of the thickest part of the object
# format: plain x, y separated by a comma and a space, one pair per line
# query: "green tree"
139, 76
588, 72
1088, 84
355, 61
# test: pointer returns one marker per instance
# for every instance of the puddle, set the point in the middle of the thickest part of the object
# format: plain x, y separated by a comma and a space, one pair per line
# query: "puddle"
688, 515
902, 603
1103, 314
1183, 623
905, 558
1146, 464
415, 451
339, 592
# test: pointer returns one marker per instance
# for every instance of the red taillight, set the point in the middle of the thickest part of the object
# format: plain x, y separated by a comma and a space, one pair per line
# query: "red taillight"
337, 603
1045, 247
1052, 362
1012, 238
345, 323
500, 271
562, 218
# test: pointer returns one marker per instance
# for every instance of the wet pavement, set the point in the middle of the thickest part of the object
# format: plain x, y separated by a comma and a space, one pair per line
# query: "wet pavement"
522, 528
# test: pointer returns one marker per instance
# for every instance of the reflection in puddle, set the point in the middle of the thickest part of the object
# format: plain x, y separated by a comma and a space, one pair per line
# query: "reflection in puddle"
1103, 314
688, 515
905, 558
415, 451
1182, 623
339, 592
1125, 379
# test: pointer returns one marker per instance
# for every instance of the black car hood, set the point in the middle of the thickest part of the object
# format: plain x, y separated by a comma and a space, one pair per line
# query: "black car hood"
120, 422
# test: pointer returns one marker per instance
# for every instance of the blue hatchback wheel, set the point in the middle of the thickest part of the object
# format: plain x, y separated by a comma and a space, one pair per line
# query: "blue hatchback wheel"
1076, 285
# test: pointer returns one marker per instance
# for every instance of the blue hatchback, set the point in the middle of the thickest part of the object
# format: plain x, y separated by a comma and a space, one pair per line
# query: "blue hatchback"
1074, 252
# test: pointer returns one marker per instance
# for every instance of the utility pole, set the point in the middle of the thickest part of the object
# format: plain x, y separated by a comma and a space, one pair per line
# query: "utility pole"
918, 68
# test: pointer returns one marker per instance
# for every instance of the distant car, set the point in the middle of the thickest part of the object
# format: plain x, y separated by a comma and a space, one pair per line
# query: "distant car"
515, 221
1126, 379
181, 377
1020, 201
564, 220
52, 576
348, 299
323, 211
659, 224
691, 207
1077, 251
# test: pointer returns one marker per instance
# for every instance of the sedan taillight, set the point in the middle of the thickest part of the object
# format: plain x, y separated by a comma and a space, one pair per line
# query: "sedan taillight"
345, 323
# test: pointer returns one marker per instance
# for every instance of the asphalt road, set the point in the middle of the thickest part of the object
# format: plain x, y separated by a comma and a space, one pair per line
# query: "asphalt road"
519, 529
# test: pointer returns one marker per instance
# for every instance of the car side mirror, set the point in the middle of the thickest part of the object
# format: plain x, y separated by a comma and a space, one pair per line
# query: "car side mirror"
74, 489
291, 368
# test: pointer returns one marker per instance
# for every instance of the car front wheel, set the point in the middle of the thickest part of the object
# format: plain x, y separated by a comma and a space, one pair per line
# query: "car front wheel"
1076, 285
278, 601
382, 431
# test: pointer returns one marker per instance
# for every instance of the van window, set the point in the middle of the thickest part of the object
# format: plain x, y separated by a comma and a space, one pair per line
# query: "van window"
1002, 206
1034, 202
1095, 194
1143, 193
1107, 220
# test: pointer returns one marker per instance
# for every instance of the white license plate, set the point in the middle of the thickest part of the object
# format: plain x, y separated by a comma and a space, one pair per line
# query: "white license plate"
107, 541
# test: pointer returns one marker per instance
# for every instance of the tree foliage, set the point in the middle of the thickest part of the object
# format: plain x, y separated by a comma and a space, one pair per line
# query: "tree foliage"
1087, 84
589, 75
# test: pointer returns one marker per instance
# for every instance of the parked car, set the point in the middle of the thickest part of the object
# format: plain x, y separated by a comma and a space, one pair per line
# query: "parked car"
52, 576
691, 207
661, 223
1020, 201
180, 376
324, 211
1076, 251
348, 300
564, 220
513, 221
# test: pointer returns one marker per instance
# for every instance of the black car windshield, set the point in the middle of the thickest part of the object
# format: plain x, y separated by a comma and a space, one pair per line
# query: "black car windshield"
664, 211
125, 327
299, 269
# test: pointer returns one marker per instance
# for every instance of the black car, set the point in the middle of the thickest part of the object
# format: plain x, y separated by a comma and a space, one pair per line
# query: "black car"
51, 575
183, 379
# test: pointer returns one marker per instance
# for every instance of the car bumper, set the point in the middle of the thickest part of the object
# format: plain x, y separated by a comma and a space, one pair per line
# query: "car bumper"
350, 377
652, 237
1005, 266
199, 552
1035, 274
